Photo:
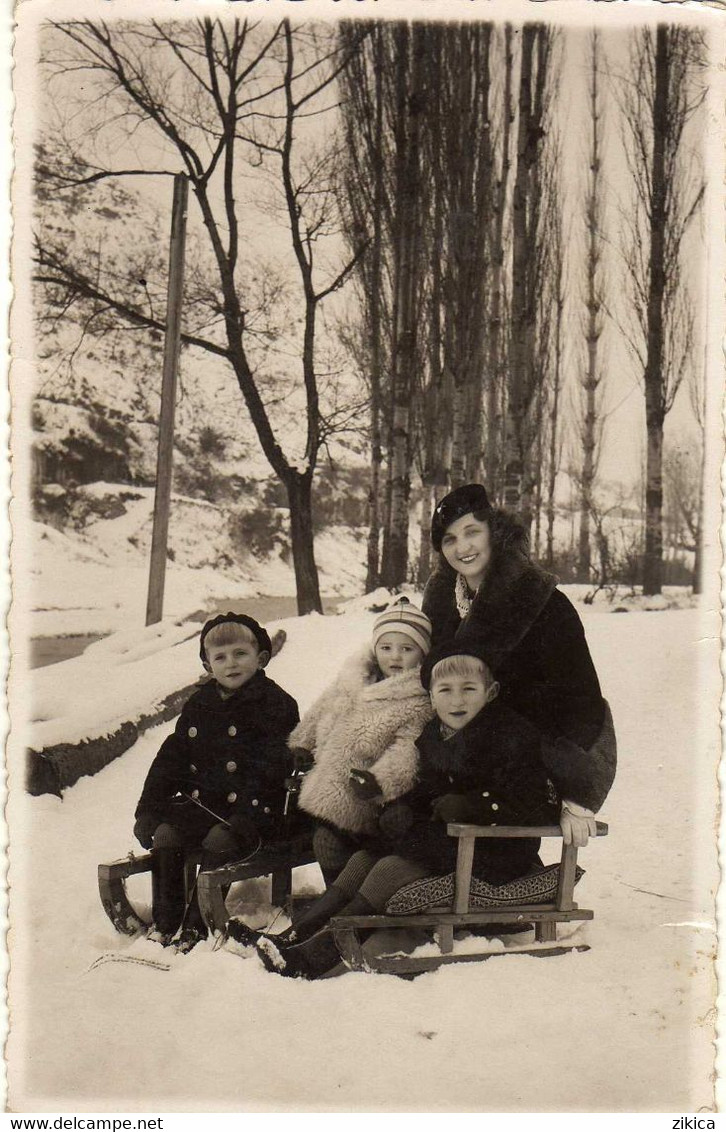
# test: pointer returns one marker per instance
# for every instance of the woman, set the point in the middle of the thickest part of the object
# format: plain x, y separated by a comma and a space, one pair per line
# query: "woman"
488, 592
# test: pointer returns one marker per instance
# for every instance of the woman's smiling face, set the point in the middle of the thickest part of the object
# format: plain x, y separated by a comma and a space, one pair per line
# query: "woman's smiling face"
467, 547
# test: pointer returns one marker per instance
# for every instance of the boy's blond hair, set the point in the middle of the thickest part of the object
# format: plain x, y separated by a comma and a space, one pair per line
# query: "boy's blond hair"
461, 665
227, 633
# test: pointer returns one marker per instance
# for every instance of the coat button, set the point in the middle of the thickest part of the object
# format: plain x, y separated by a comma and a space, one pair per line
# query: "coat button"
267, 809
255, 802
231, 766
485, 794
232, 731
232, 797
192, 732
451, 778
195, 793
495, 806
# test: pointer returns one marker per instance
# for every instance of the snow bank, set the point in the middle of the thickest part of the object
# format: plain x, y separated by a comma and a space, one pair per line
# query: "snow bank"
626, 1026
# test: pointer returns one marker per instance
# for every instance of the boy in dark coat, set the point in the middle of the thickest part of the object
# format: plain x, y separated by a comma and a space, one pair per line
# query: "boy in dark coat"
218, 782
479, 762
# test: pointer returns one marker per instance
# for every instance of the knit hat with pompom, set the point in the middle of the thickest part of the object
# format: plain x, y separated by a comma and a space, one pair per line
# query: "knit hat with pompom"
404, 617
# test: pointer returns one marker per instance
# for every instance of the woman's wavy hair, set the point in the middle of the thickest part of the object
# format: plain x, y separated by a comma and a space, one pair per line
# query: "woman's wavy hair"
508, 536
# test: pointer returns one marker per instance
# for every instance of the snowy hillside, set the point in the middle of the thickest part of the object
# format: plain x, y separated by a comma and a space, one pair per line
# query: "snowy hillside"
94, 579
626, 1026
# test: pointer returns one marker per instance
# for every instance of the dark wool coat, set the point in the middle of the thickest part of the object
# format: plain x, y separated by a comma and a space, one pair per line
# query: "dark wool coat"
532, 638
494, 770
229, 754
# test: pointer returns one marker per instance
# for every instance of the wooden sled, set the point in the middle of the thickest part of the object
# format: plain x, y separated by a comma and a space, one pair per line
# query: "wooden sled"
443, 920
276, 861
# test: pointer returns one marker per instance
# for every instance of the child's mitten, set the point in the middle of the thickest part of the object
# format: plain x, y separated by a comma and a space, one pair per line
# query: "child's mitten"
144, 828
303, 760
395, 820
364, 784
451, 807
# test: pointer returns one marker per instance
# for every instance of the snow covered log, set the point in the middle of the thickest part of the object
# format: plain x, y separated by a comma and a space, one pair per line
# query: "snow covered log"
53, 769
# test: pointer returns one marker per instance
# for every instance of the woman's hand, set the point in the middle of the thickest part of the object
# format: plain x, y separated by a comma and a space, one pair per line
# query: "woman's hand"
577, 824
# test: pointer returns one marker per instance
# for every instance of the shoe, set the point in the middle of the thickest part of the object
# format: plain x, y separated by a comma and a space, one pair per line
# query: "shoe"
187, 939
272, 958
154, 935
250, 937
313, 959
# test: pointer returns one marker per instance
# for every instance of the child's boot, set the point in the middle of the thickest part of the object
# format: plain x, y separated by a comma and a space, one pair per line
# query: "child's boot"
167, 889
317, 956
194, 929
311, 920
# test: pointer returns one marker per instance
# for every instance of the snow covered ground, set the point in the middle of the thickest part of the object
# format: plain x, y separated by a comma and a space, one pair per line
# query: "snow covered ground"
626, 1026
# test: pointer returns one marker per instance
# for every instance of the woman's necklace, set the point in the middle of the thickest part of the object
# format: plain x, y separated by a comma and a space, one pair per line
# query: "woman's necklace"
463, 596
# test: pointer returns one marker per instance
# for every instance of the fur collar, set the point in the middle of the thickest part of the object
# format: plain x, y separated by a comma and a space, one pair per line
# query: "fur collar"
506, 605
360, 672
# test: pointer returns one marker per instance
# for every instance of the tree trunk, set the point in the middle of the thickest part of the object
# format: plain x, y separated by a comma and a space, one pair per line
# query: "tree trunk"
654, 382
497, 349
299, 495
428, 502
593, 222
521, 343
375, 291
409, 106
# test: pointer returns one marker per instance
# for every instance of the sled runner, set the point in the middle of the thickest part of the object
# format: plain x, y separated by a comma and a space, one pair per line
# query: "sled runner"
276, 860
443, 904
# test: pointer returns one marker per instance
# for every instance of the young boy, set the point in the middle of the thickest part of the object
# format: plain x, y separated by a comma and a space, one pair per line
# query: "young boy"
218, 782
479, 762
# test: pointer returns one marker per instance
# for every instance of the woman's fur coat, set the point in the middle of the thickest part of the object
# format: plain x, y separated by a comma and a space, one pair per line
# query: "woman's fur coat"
531, 636
361, 721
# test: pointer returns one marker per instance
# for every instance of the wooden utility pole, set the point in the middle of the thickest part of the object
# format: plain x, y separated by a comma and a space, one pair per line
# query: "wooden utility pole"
157, 569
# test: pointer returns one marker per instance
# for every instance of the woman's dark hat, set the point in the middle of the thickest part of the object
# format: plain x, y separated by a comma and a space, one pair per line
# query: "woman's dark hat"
461, 501
455, 647
260, 634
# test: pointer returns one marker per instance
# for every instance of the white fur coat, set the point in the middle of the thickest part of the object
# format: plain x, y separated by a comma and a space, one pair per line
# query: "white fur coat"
358, 722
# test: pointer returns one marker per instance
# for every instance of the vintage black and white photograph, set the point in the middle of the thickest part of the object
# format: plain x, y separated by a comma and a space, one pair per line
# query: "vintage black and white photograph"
364, 694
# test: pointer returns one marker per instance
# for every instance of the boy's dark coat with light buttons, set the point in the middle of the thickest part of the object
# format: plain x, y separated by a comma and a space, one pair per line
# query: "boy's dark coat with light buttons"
230, 755
489, 773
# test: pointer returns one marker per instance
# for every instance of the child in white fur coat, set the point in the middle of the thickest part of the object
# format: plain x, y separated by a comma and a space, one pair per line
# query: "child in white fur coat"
361, 735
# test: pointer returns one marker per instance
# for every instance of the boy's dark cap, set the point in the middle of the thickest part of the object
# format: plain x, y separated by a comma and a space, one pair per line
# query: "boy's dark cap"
450, 648
470, 497
260, 634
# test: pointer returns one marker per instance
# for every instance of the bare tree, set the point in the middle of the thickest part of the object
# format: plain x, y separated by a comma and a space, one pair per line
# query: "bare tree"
463, 147
590, 381
658, 98
497, 345
536, 83
201, 92
557, 307
367, 216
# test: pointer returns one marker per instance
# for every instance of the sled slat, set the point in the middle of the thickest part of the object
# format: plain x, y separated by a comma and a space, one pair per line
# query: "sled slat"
459, 829
566, 885
431, 919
